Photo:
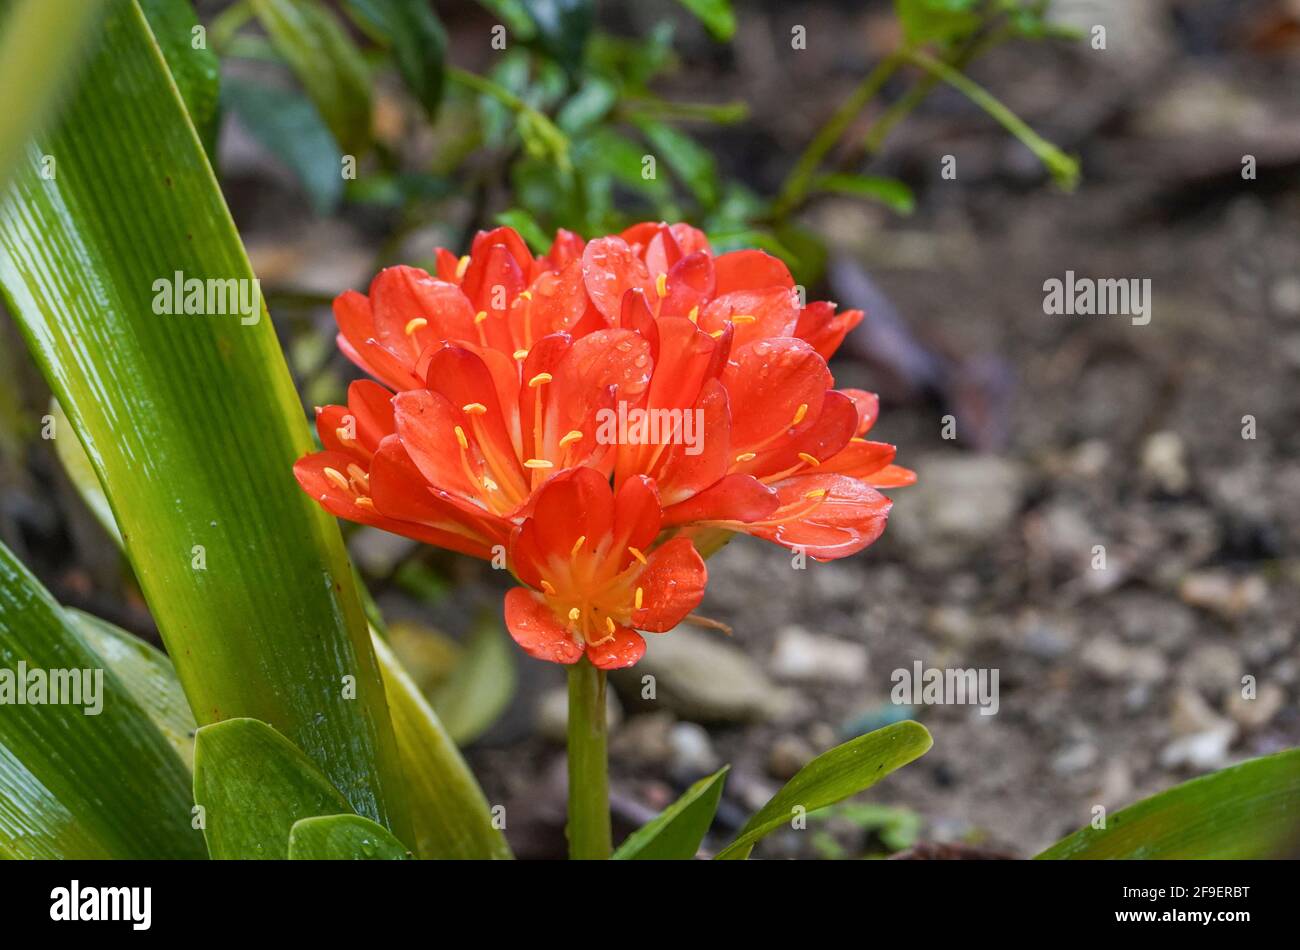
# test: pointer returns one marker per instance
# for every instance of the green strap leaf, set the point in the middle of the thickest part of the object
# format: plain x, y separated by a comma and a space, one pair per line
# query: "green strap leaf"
147, 675
832, 777
326, 62
193, 63
451, 816
72, 455
343, 838
675, 834
418, 41
75, 784
252, 785
1247, 811
190, 419
39, 43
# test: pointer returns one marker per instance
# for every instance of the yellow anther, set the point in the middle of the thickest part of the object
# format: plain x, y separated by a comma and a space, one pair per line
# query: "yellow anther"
609, 625
640, 596
858, 438
661, 285
746, 457
538, 463
473, 408
358, 474
717, 333
480, 316
460, 437
694, 315
336, 477
489, 484
577, 545
526, 295
540, 379
415, 324
570, 437
800, 413
743, 318
548, 587
520, 354
364, 502
815, 493
636, 553
574, 614
462, 265
810, 459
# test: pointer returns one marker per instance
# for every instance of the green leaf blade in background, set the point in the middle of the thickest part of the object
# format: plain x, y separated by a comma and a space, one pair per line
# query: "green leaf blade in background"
480, 686
343, 838
290, 127
253, 784
716, 15
689, 160
1249, 811
74, 785
326, 62
832, 777
418, 41
191, 421
675, 834
191, 60
39, 42
888, 191
452, 818
563, 28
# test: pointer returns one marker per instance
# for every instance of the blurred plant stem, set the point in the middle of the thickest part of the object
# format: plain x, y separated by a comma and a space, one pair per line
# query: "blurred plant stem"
589, 834
535, 127
1063, 168
726, 113
797, 183
803, 176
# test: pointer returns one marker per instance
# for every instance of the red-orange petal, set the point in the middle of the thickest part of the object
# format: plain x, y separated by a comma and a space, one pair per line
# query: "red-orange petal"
749, 270
741, 498
537, 630
622, 650
672, 585
610, 269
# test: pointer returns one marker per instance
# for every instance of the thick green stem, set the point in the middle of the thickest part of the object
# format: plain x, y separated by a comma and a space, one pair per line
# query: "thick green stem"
589, 836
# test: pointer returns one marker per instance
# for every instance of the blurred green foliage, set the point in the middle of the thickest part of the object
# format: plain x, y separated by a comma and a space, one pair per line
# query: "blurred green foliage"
565, 127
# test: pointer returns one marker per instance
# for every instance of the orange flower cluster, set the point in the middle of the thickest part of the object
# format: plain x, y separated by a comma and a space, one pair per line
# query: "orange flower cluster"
507, 372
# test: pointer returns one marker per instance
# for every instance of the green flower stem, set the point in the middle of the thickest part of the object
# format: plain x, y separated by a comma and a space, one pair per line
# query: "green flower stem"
589, 836
800, 178
1063, 168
